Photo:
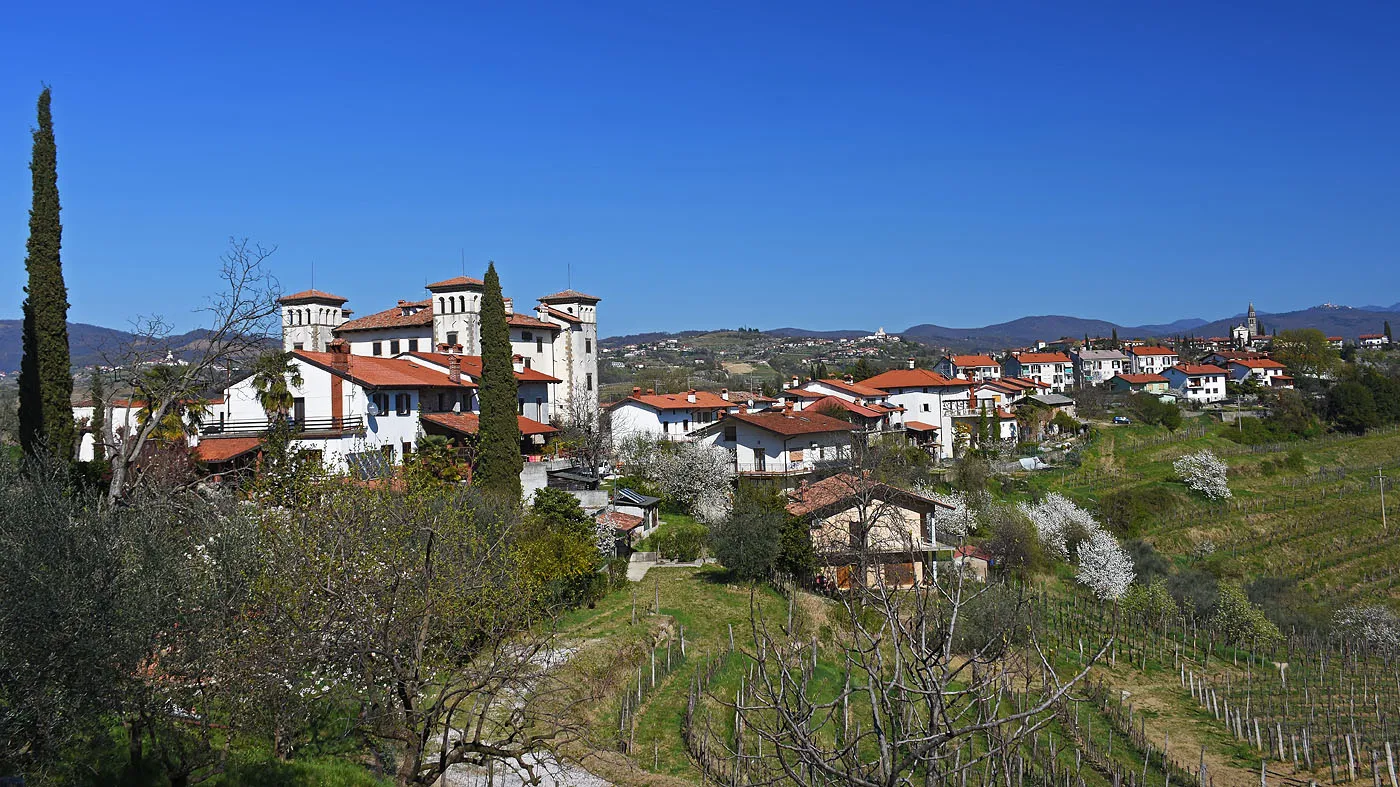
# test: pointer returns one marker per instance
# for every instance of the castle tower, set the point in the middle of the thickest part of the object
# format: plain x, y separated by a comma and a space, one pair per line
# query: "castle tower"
1252, 320
576, 357
457, 313
309, 317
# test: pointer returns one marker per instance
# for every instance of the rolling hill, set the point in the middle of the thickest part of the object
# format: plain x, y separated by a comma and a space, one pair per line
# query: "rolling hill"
89, 345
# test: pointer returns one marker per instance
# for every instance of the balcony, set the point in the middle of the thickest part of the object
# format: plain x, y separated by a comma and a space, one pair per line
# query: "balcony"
330, 426
774, 468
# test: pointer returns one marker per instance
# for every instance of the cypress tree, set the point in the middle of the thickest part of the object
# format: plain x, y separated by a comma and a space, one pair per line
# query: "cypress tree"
498, 461
46, 377
99, 417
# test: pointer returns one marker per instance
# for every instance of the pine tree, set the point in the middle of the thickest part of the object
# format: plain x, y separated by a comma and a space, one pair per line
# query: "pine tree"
46, 377
1388, 337
99, 418
498, 462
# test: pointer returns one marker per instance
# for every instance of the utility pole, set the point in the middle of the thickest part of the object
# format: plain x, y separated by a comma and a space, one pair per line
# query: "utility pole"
1380, 477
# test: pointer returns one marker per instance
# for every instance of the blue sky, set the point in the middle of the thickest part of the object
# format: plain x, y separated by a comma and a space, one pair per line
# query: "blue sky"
716, 164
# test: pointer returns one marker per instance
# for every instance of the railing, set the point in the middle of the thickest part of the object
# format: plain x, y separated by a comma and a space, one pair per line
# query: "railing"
775, 467
252, 426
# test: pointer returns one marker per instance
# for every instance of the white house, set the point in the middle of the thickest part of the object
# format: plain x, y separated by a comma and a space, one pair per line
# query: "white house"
1096, 367
968, 367
781, 442
1152, 360
930, 403
1264, 371
667, 416
1054, 369
1372, 340
1197, 382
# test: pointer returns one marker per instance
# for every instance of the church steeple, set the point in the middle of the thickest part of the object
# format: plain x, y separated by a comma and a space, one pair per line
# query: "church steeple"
1252, 320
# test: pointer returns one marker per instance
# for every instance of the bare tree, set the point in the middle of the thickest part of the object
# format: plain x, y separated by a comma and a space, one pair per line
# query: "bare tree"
588, 433
241, 319
941, 678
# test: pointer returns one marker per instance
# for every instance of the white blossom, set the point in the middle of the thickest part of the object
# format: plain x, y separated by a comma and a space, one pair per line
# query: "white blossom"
953, 525
1203, 472
1057, 519
1376, 626
697, 475
1104, 567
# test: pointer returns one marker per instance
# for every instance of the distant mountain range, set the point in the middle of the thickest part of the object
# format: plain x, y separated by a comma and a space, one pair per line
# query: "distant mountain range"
1344, 321
89, 345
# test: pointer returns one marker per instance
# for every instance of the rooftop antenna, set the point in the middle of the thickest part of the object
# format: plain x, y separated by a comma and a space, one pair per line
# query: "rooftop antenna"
569, 275
463, 253
313, 274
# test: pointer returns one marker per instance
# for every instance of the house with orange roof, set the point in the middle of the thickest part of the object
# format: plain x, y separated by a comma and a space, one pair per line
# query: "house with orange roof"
1096, 367
1152, 359
1264, 371
1139, 383
1197, 382
667, 416
784, 443
930, 401
1055, 369
968, 367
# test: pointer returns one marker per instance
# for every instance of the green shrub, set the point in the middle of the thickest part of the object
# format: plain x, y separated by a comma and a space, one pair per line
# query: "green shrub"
298, 773
1127, 511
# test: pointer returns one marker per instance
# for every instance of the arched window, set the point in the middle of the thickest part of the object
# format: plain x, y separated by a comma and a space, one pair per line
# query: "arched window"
442, 305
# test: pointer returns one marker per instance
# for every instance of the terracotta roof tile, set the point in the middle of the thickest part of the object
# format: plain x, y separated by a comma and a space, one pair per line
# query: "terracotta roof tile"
392, 318
859, 389
1142, 379
704, 400
1043, 358
911, 378
619, 520
1195, 370
454, 283
563, 315
526, 321
1152, 351
470, 423
471, 367
311, 296
972, 360
222, 449
790, 424
376, 372
842, 487
1258, 363
570, 295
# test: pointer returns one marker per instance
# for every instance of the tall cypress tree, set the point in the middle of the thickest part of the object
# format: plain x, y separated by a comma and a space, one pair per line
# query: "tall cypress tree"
498, 461
46, 376
99, 417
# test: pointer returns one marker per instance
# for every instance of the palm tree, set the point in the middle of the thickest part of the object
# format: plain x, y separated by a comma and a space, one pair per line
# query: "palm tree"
274, 376
185, 415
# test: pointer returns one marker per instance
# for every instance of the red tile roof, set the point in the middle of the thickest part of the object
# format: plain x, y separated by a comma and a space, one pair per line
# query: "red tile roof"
222, 449
1152, 351
859, 389
911, 378
454, 283
836, 489
470, 423
526, 321
972, 360
828, 402
1258, 363
471, 367
1043, 358
704, 400
311, 296
920, 426
570, 295
392, 318
619, 520
376, 372
1196, 370
791, 424
1142, 379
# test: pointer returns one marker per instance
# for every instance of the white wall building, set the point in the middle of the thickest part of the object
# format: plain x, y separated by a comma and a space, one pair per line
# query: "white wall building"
930, 403
1096, 367
1153, 360
1197, 383
968, 367
1264, 371
1054, 369
779, 443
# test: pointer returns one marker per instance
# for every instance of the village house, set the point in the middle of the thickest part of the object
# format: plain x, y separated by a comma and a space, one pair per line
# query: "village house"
667, 416
1152, 359
1197, 382
351, 407
968, 367
1223, 358
1054, 369
930, 403
1264, 371
782, 443
1096, 367
858, 523
868, 419
559, 339
1372, 340
1139, 383
1335, 342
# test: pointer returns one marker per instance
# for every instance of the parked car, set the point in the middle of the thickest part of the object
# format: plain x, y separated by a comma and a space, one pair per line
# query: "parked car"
1121, 419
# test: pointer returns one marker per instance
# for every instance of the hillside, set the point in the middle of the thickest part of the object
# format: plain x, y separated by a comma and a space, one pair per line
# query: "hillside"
88, 344
1343, 321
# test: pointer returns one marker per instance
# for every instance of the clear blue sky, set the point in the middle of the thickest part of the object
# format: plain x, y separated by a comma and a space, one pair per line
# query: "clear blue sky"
709, 164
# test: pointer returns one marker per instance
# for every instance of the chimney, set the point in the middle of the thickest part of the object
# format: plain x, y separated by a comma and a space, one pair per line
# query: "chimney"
444, 348
457, 348
518, 363
796, 381
636, 391
802, 491
454, 369
510, 306
743, 409
651, 392
850, 378
340, 354
910, 363
787, 408
690, 396
724, 394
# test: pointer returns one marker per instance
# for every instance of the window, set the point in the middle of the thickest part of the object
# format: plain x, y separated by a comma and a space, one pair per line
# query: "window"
378, 348
403, 403
588, 345
296, 345
685, 425
926, 407
394, 347
539, 409
590, 381
451, 339
413, 345
525, 336
731, 434
527, 363
522, 407
381, 403
539, 345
